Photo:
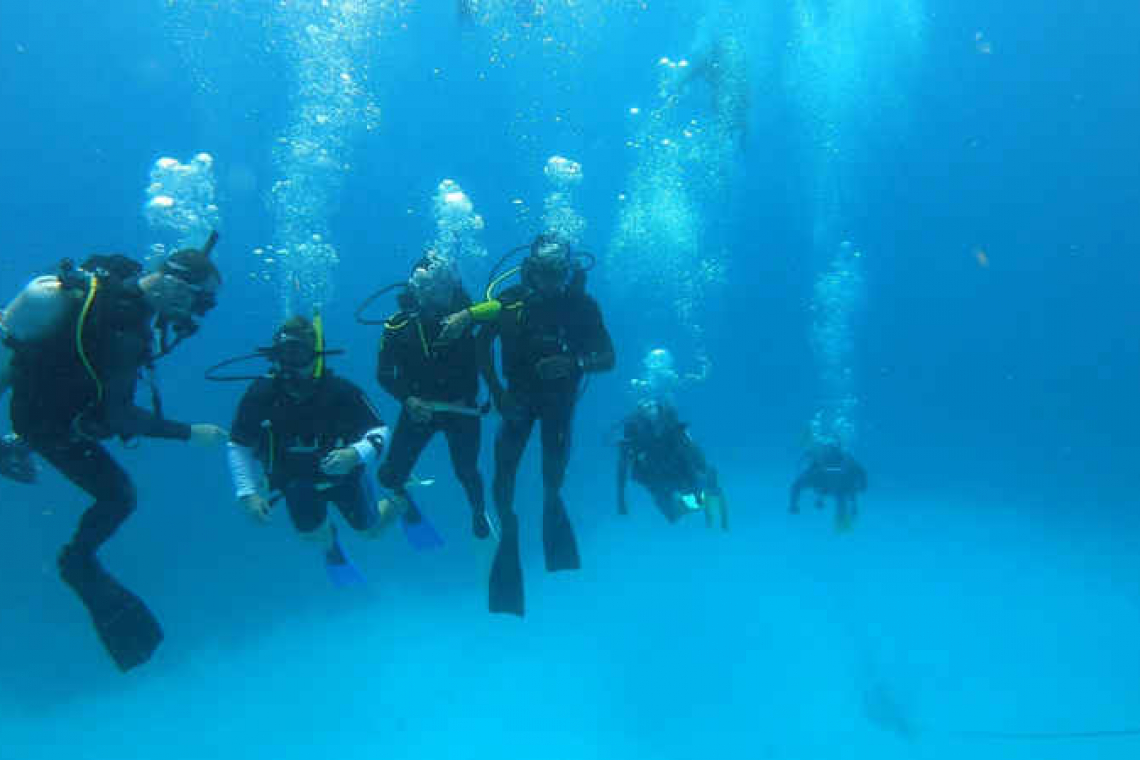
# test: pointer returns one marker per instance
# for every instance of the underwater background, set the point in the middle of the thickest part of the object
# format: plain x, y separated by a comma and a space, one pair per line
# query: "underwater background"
906, 224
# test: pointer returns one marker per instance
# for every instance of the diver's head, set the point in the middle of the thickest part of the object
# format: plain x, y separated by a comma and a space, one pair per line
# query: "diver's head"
433, 283
549, 267
184, 286
658, 360
655, 412
294, 352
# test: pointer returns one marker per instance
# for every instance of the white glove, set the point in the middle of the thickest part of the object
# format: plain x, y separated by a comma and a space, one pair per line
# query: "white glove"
257, 506
206, 435
341, 461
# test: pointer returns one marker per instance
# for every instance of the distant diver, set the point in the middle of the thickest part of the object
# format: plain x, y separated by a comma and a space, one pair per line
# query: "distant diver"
75, 345
831, 472
657, 450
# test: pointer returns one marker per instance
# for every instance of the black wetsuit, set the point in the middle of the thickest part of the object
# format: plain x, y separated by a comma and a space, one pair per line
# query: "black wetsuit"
291, 435
665, 459
63, 408
532, 328
411, 364
831, 471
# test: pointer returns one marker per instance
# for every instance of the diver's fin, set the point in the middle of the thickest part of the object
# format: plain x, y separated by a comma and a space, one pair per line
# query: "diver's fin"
558, 543
339, 567
128, 630
421, 534
505, 590
16, 460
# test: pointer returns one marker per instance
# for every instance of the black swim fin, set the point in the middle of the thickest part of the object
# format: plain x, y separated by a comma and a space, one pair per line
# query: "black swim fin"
558, 543
505, 590
128, 630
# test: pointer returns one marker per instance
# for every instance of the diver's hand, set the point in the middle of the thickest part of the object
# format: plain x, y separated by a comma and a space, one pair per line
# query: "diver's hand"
257, 506
556, 367
206, 435
341, 461
454, 326
418, 409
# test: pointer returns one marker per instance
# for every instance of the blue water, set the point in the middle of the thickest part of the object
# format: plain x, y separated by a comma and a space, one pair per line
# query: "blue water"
991, 584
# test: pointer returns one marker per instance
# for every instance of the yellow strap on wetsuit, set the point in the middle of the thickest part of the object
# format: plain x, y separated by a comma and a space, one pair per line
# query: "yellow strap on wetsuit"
92, 289
319, 344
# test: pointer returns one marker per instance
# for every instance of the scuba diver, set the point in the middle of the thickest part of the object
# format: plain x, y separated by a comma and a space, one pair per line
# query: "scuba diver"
436, 382
76, 343
551, 336
309, 435
658, 451
831, 472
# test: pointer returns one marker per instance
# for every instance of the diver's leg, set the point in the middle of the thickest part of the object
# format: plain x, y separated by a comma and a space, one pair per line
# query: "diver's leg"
558, 541
463, 437
408, 442
127, 628
667, 502
510, 443
88, 465
505, 587
355, 499
309, 512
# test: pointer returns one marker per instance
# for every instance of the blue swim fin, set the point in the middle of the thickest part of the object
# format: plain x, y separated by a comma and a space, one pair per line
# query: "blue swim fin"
341, 571
420, 533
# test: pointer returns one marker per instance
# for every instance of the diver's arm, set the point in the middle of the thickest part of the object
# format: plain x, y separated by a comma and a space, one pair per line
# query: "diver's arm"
485, 348
388, 373
245, 471
622, 477
123, 417
5, 366
598, 355
797, 486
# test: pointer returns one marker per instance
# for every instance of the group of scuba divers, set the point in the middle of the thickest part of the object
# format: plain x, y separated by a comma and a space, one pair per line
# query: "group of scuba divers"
76, 344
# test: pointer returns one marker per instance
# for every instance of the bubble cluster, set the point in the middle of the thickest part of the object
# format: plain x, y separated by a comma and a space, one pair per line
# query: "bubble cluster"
328, 45
848, 62
684, 150
660, 381
457, 225
559, 218
180, 203
837, 297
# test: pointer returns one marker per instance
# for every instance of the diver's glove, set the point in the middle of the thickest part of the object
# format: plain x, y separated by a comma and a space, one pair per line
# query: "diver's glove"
454, 326
206, 435
257, 506
419, 410
556, 367
341, 461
